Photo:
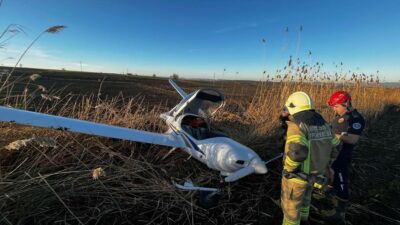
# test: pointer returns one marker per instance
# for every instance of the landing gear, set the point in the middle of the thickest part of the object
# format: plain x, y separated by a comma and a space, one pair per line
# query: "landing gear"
208, 199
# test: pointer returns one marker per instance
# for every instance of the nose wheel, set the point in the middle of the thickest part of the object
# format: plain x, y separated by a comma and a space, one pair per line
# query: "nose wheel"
210, 199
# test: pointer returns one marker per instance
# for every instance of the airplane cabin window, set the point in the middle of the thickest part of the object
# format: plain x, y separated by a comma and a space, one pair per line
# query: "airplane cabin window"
198, 128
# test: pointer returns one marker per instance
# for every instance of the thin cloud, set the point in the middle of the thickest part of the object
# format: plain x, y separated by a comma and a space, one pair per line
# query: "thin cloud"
34, 52
237, 27
41, 58
40, 53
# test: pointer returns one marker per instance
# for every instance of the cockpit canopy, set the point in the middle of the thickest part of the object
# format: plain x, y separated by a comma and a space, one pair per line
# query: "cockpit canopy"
204, 102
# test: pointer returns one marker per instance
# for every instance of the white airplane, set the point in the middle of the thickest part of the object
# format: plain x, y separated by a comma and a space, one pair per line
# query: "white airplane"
188, 130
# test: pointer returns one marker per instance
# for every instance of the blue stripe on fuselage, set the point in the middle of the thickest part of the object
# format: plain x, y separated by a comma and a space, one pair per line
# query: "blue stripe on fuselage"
173, 129
192, 143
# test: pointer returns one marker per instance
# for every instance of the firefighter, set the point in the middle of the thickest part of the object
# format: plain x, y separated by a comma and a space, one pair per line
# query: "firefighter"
348, 125
309, 150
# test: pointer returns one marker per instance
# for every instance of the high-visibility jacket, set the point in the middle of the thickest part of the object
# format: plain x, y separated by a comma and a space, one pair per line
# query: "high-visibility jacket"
310, 144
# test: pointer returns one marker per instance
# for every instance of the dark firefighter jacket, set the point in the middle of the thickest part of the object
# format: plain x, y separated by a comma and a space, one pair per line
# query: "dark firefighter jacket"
310, 145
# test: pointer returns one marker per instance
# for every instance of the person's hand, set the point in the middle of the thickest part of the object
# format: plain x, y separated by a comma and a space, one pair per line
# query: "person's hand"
283, 118
331, 175
338, 136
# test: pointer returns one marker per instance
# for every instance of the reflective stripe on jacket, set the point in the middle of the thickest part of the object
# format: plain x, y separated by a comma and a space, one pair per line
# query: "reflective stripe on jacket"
320, 142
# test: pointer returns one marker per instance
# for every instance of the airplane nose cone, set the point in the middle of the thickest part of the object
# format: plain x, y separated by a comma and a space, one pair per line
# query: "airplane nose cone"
259, 166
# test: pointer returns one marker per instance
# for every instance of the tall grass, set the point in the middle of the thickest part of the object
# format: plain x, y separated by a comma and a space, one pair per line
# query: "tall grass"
260, 115
54, 185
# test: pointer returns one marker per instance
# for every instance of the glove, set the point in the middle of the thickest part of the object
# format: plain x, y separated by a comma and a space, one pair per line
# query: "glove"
283, 118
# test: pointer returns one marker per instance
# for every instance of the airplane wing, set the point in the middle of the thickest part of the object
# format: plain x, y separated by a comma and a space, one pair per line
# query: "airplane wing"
178, 89
49, 121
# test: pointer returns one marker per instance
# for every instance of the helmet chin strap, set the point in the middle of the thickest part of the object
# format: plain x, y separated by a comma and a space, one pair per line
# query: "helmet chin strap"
349, 106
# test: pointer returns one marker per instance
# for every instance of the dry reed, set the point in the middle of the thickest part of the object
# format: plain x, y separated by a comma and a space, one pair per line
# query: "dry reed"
47, 185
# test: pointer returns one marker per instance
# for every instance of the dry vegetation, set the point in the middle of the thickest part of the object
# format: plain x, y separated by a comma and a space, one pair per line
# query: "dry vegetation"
91, 180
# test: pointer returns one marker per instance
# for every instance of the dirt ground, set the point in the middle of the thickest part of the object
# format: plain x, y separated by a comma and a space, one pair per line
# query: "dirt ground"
156, 90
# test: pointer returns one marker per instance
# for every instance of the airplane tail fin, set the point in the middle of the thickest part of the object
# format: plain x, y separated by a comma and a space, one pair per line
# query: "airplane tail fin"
177, 88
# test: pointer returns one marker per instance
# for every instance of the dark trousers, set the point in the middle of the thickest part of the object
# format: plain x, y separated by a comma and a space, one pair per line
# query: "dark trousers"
341, 166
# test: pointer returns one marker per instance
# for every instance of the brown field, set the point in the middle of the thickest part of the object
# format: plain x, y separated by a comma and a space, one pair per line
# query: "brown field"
46, 185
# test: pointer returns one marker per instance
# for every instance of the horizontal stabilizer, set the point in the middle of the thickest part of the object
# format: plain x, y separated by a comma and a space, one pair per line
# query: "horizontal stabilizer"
62, 123
188, 186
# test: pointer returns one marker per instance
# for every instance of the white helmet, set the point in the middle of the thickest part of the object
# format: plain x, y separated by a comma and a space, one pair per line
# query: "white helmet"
299, 101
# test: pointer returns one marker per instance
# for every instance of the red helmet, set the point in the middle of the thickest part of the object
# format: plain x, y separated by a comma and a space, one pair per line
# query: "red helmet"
339, 97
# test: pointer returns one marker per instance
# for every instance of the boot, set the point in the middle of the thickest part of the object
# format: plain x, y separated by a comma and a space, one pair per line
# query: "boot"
326, 194
337, 214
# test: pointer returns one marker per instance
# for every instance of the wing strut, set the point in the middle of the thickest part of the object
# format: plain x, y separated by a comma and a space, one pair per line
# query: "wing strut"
177, 88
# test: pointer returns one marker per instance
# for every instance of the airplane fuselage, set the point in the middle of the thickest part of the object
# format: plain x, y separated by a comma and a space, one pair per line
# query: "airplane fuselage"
219, 153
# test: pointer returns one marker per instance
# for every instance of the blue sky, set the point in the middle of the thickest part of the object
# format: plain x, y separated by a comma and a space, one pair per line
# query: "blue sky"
200, 38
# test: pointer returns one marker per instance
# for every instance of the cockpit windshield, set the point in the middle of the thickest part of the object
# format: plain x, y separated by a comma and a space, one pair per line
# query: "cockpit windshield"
204, 102
208, 108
